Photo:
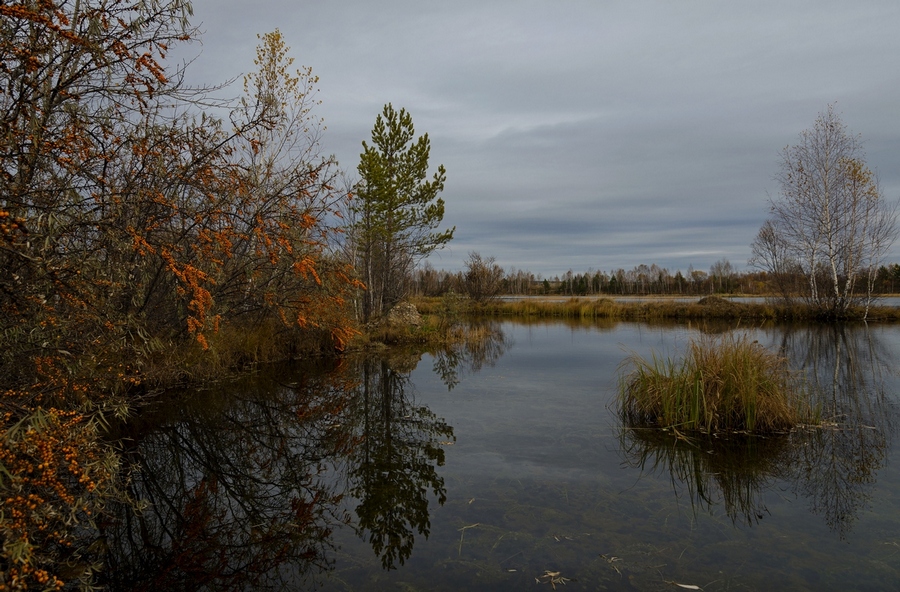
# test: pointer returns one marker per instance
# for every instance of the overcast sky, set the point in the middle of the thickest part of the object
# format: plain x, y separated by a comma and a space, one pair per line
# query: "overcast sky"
593, 134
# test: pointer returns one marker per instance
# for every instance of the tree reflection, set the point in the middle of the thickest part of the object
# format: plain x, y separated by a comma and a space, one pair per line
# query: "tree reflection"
394, 466
475, 346
838, 466
244, 486
833, 466
233, 489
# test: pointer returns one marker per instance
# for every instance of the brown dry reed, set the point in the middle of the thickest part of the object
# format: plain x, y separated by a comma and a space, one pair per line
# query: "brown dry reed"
595, 308
726, 384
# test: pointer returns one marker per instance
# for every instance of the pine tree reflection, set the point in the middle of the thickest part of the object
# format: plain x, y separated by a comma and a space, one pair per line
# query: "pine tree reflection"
394, 467
234, 489
834, 466
243, 487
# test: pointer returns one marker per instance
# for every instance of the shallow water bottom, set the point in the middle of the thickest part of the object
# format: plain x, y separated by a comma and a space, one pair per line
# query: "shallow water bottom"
541, 495
507, 534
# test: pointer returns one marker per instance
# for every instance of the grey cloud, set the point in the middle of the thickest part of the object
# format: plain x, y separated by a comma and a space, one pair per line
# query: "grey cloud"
585, 134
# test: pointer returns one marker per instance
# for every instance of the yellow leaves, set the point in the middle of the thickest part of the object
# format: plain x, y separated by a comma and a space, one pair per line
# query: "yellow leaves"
341, 336
159, 224
201, 339
147, 61
139, 243
307, 221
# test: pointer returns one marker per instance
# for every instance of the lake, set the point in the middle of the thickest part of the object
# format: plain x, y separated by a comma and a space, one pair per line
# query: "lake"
503, 466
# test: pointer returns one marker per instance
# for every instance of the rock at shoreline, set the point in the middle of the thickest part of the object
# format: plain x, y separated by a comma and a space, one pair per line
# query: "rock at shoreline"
404, 314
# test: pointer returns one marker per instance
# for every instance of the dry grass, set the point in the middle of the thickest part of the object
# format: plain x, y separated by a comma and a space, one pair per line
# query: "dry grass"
232, 350
607, 308
722, 385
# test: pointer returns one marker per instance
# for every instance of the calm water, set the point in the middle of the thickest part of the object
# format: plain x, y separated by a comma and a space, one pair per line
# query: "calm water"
509, 456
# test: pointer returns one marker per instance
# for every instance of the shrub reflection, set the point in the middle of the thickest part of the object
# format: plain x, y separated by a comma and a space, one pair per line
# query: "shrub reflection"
244, 486
474, 346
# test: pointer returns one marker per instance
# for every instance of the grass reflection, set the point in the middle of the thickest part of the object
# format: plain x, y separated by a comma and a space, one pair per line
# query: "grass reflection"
833, 465
734, 472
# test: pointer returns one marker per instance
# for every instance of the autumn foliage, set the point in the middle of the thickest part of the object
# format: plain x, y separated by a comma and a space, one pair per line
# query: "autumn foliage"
134, 223
54, 475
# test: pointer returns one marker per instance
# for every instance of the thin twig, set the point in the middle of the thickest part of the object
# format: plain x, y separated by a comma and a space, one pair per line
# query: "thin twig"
463, 534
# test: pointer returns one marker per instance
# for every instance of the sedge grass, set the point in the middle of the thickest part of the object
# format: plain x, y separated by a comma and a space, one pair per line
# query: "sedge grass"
721, 385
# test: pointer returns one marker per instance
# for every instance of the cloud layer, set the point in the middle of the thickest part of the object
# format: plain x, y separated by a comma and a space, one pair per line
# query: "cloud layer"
589, 135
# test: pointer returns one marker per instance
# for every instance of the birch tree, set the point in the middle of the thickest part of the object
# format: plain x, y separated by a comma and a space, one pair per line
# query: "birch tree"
831, 222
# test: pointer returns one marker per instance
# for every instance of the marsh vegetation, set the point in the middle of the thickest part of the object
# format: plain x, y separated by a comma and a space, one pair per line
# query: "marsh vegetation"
650, 310
720, 385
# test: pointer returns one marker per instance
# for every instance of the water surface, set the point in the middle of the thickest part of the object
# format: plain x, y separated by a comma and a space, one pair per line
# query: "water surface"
504, 466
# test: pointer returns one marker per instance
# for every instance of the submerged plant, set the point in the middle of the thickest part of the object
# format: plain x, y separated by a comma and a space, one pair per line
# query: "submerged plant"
721, 385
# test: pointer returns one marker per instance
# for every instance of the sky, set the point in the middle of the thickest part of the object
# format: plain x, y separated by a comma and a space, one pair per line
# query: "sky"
587, 135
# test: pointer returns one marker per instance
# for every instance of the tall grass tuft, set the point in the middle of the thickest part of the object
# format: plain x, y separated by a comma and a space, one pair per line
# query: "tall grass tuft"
722, 385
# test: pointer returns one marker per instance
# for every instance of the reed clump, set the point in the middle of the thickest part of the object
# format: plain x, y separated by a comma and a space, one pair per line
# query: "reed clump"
727, 384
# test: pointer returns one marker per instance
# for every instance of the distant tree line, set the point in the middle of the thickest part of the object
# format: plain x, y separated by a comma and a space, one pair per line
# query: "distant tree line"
641, 280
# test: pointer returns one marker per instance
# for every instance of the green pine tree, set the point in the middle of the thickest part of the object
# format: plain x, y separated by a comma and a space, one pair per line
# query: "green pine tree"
397, 210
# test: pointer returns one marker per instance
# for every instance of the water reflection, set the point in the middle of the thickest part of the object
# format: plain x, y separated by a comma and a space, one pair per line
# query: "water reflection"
480, 345
247, 486
234, 487
244, 486
735, 473
838, 467
393, 468
834, 467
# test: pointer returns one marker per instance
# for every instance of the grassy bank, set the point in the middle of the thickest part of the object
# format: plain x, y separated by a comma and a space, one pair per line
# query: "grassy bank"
435, 330
607, 308
231, 352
